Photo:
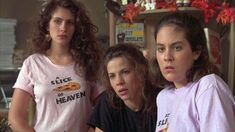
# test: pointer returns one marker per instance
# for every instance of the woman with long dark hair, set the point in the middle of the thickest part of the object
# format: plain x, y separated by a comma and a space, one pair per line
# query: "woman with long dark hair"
195, 99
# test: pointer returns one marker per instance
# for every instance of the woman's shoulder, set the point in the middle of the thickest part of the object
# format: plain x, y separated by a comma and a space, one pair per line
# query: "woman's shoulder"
166, 93
103, 101
211, 80
103, 97
36, 60
167, 89
105, 107
34, 57
209, 76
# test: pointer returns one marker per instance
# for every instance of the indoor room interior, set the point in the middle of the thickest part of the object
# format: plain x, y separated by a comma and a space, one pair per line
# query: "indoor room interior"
21, 16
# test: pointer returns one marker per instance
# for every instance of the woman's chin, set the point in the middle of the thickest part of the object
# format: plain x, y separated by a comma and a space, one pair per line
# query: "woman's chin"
170, 78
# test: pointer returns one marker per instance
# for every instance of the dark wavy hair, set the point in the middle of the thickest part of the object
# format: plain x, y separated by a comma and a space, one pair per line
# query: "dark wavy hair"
83, 44
195, 35
140, 64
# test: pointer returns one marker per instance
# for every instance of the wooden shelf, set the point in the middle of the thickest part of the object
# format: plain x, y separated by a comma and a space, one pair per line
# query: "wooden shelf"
159, 12
150, 16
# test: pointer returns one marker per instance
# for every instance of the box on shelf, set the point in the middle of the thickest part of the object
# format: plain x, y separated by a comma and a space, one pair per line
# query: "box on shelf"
130, 33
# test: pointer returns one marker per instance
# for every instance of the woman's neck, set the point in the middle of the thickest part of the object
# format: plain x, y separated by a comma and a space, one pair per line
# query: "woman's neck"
135, 104
60, 57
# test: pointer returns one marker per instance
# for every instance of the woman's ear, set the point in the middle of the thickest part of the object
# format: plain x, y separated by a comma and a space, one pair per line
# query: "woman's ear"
196, 54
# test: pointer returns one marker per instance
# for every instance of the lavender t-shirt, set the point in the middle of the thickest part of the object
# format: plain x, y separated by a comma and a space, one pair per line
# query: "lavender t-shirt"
63, 99
203, 106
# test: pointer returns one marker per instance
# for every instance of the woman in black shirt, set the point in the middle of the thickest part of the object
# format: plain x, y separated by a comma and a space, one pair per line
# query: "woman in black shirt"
128, 105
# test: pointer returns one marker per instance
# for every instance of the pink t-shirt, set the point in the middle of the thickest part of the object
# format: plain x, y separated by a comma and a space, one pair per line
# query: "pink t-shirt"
63, 99
203, 106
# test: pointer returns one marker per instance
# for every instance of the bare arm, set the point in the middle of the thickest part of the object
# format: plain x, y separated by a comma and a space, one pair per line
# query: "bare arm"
98, 130
18, 114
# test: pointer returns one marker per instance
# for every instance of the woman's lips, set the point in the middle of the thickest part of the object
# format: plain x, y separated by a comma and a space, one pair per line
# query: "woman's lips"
62, 36
122, 91
169, 68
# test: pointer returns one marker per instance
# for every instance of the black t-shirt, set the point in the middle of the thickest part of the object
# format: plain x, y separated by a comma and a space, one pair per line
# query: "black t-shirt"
110, 119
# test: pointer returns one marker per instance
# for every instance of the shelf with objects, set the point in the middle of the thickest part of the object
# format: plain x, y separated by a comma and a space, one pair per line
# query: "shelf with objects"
219, 27
159, 12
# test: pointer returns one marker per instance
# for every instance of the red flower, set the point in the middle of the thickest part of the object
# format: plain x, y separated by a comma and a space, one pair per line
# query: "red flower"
226, 15
208, 9
201, 4
131, 11
164, 5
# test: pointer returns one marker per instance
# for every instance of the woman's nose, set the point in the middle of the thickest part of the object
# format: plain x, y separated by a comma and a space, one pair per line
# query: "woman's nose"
63, 26
119, 80
168, 55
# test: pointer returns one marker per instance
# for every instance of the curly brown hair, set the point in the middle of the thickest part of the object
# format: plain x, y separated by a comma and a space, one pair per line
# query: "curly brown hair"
84, 47
140, 64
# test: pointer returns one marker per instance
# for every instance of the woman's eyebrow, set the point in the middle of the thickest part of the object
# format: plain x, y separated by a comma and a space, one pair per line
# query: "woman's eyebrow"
55, 17
159, 44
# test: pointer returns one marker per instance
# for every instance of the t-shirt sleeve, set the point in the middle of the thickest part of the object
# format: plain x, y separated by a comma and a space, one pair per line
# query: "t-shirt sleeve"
216, 108
23, 80
101, 116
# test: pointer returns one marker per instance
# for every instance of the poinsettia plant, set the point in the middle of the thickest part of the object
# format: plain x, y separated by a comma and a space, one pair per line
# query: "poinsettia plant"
222, 12
226, 15
131, 10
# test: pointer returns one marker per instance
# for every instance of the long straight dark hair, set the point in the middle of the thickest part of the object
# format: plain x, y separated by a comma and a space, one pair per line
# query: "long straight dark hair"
195, 35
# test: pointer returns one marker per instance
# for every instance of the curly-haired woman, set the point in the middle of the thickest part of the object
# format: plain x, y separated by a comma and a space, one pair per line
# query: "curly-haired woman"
61, 75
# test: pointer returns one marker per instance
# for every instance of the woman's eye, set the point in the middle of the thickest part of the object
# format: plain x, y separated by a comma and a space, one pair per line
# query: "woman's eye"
160, 49
178, 48
126, 72
111, 76
70, 23
57, 21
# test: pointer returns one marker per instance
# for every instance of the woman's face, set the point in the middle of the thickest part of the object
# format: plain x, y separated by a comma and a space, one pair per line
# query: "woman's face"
61, 27
174, 54
123, 79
